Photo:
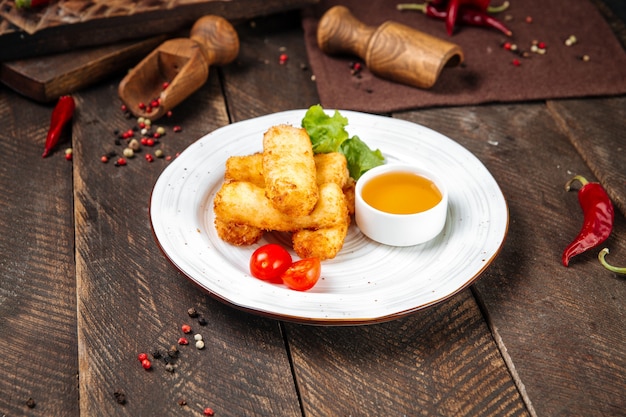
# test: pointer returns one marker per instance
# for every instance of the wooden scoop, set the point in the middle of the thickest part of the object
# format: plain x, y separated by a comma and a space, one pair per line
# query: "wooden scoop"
182, 64
392, 50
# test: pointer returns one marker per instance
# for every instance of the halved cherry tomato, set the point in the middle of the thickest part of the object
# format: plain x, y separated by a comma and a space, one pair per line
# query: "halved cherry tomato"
303, 274
269, 262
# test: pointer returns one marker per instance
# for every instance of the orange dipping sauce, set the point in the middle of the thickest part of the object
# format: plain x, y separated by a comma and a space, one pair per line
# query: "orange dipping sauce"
401, 193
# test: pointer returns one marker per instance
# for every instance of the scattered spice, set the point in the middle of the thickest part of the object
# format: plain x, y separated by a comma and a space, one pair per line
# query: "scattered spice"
183, 341
199, 344
516, 62
208, 412
282, 59
30, 403
598, 217
186, 328
571, 40
192, 312
120, 397
146, 364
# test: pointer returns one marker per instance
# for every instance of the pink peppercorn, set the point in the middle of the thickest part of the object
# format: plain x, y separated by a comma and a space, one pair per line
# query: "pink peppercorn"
146, 364
104, 159
120, 162
165, 85
183, 341
177, 129
208, 412
142, 357
124, 108
186, 328
149, 157
517, 62
283, 59
141, 105
149, 142
541, 45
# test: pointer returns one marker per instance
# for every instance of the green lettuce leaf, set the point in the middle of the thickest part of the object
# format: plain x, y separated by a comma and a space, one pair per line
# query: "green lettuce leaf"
329, 134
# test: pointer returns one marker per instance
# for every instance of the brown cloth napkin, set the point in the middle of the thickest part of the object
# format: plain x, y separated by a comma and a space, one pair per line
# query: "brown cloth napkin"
488, 73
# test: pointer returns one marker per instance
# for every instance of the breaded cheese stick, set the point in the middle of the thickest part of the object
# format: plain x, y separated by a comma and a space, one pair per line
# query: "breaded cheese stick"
246, 204
322, 243
289, 170
237, 234
329, 167
248, 168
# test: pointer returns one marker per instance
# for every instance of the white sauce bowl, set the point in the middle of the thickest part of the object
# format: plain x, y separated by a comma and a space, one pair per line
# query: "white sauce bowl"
400, 229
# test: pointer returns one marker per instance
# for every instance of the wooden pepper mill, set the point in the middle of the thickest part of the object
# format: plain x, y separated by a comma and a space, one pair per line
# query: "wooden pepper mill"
392, 51
182, 64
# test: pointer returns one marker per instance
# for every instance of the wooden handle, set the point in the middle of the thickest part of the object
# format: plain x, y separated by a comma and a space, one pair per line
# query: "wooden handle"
340, 32
392, 50
218, 39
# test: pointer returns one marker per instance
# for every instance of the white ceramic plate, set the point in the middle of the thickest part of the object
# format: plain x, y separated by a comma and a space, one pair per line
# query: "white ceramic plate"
366, 282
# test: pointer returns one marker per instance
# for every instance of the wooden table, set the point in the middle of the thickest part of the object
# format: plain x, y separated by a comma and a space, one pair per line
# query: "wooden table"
84, 287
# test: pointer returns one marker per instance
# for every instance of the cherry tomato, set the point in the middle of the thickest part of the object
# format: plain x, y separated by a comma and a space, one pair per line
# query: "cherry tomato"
303, 274
269, 262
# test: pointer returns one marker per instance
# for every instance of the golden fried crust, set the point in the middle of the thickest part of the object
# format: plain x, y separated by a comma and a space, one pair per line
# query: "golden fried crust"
247, 168
238, 234
289, 170
329, 167
349, 191
245, 203
322, 243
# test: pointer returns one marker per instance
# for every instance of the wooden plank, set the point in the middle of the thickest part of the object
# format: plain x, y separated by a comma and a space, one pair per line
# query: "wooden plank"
37, 285
102, 23
47, 78
440, 361
560, 328
257, 83
131, 299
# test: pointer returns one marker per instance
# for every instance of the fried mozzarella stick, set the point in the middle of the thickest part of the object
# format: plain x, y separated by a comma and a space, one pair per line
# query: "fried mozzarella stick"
322, 243
289, 170
238, 234
243, 203
329, 167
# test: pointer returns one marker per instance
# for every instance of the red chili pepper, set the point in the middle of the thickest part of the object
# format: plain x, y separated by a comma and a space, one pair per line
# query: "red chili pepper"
62, 113
616, 269
30, 3
468, 15
598, 218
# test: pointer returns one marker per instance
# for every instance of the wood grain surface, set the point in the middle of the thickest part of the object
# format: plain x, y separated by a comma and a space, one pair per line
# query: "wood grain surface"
84, 287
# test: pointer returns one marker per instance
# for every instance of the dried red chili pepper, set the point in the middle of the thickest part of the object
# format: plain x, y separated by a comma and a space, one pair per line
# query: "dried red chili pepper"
616, 269
472, 16
62, 113
598, 218
30, 3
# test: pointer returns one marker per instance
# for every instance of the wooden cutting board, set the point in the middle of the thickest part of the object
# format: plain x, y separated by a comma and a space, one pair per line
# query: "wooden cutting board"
66, 25
44, 79
57, 49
